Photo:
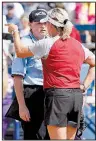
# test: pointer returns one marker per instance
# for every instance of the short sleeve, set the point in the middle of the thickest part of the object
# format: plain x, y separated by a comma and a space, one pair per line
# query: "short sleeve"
41, 48
26, 41
19, 64
87, 52
18, 67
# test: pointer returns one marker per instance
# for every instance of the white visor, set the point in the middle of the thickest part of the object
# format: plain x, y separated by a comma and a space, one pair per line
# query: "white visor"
56, 23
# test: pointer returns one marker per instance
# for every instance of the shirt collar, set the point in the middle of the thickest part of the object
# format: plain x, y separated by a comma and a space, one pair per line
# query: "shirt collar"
32, 36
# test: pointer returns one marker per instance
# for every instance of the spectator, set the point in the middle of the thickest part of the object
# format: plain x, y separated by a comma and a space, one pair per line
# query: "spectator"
5, 74
5, 29
10, 17
5, 54
25, 26
75, 34
91, 13
7, 87
47, 5
30, 6
20, 12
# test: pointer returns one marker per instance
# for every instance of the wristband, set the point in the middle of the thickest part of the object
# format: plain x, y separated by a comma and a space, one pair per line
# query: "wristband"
16, 30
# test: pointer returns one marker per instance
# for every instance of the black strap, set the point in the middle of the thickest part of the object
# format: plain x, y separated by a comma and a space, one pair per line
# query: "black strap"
65, 21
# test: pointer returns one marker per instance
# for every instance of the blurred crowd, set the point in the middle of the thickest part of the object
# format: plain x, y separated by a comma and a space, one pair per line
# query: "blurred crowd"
17, 13
79, 13
82, 13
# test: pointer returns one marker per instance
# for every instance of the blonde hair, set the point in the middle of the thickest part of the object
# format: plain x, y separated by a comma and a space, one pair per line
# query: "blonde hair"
24, 17
60, 19
67, 30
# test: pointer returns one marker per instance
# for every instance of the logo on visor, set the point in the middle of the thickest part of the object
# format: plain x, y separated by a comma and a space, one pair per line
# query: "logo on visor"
40, 13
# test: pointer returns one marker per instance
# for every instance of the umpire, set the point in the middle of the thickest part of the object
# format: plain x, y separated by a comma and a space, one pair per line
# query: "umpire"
28, 105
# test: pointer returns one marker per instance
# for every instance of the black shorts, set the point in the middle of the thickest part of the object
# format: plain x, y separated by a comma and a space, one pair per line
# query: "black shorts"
63, 107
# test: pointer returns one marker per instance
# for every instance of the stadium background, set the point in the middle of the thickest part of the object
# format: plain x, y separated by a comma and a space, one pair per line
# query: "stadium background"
83, 17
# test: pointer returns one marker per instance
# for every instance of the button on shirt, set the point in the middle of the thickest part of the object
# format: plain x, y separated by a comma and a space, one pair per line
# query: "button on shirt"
30, 68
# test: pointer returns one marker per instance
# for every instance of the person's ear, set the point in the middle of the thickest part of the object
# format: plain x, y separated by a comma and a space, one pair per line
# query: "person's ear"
29, 24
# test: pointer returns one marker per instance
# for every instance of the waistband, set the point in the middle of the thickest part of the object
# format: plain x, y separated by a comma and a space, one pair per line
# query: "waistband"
33, 86
65, 89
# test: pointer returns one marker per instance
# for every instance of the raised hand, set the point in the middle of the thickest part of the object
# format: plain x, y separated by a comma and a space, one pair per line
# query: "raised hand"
12, 28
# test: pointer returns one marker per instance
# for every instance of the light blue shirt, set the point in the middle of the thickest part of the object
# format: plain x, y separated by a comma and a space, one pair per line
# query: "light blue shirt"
30, 68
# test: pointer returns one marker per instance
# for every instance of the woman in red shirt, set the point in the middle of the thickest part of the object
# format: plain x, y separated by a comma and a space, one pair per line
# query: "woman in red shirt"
62, 57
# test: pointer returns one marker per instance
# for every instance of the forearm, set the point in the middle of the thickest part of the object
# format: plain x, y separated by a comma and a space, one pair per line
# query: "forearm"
90, 77
19, 90
21, 50
17, 43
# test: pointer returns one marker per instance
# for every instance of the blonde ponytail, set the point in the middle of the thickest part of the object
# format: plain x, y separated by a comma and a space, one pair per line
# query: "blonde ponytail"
60, 19
67, 30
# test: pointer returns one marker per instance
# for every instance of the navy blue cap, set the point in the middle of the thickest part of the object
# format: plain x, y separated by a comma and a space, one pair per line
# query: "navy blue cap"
39, 15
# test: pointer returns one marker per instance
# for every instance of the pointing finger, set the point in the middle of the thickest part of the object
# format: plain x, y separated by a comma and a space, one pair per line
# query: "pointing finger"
7, 24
